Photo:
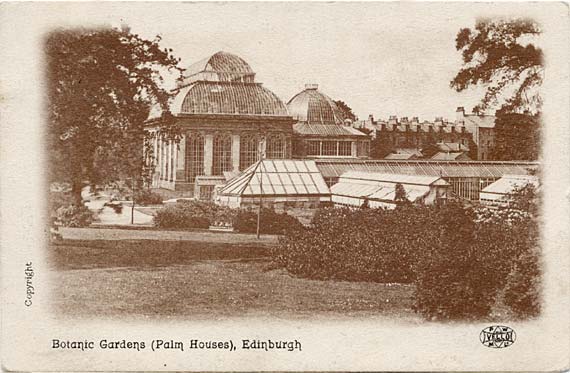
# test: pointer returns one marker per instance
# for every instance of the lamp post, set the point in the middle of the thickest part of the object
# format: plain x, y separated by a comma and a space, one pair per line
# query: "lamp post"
260, 165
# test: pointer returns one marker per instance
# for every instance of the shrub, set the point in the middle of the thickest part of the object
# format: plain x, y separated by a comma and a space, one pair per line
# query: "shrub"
458, 263
522, 291
271, 222
73, 216
147, 197
353, 245
192, 214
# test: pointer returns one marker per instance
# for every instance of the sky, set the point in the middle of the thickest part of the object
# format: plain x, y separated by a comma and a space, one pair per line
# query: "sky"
380, 58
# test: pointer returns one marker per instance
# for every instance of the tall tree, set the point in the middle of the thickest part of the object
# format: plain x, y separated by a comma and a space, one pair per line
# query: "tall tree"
102, 84
500, 55
381, 145
346, 110
429, 147
517, 137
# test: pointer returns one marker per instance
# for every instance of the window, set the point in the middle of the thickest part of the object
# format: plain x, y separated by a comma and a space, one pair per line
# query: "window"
276, 146
194, 156
329, 148
313, 148
345, 148
222, 149
248, 151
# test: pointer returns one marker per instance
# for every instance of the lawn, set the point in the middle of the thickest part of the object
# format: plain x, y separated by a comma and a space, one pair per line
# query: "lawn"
198, 280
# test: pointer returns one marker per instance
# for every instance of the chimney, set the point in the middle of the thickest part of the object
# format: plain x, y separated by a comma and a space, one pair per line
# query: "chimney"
460, 114
371, 118
393, 120
415, 120
312, 87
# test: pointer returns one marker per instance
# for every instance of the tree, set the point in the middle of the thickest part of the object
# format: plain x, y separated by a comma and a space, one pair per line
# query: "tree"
381, 145
517, 137
101, 86
499, 54
346, 110
429, 147
400, 195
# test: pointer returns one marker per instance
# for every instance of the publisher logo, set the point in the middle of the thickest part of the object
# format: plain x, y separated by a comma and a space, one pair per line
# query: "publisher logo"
497, 336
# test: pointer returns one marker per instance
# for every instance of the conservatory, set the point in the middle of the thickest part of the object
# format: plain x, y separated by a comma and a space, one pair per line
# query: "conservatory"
276, 183
379, 189
228, 121
500, 191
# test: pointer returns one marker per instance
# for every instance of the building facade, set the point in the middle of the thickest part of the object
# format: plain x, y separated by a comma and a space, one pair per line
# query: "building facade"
468, 130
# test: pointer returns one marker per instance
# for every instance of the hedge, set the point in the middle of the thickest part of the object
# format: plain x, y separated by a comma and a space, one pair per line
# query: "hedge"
197, 214
458, 263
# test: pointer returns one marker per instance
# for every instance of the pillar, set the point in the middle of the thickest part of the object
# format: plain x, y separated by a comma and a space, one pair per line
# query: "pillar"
235, 152
354, 151
162, 164
181, 159
208, 154
172, 162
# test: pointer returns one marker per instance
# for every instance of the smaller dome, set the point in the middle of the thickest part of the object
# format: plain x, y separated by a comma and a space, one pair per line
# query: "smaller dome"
314, 107
219, 67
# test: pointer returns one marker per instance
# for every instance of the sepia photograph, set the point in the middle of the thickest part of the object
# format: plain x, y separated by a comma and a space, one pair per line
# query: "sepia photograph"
258, 180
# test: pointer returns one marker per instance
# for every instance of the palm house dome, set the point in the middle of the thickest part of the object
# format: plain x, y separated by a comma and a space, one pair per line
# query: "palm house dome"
224, 84
314, 107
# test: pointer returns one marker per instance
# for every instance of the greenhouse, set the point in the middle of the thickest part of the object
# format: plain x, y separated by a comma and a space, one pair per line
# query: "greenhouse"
356, 188
500, 191
276, 183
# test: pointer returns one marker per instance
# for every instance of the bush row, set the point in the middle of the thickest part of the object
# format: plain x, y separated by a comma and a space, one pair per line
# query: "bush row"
460, 265
196, 214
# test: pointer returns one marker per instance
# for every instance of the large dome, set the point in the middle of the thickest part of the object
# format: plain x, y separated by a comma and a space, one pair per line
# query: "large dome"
227, 98
224, 84
313, 107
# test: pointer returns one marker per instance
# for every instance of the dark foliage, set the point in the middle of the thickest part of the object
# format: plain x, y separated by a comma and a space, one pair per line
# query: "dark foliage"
346, 110
499, 54
196, 214
517, 137
271, 222
191, 215
461, 260
101, 85
146, 197
430, 148
381, 146
73, 216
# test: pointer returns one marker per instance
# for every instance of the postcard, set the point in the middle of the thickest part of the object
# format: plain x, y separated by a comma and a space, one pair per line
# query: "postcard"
285, 186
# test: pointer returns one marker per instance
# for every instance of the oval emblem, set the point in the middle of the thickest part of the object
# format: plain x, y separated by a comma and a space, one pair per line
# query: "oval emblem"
497, 336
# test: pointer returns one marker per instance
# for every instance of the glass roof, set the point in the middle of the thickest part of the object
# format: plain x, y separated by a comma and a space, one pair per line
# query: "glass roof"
227, 98
271, 177
221, 66
331, 168
506, 185
314, 107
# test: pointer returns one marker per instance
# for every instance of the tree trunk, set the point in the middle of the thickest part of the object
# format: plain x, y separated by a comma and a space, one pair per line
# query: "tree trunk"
76, 191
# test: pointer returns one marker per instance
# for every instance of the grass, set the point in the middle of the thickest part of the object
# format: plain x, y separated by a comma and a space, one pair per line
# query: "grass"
197, 280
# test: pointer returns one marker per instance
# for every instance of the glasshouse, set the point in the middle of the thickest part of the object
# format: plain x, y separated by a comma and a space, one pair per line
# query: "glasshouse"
228, 120
356, 188
500, 191
280, 184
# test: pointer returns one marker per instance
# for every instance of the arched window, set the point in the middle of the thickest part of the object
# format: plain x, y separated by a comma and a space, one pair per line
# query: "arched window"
222, 154
276, 145
194, 156
248, 151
